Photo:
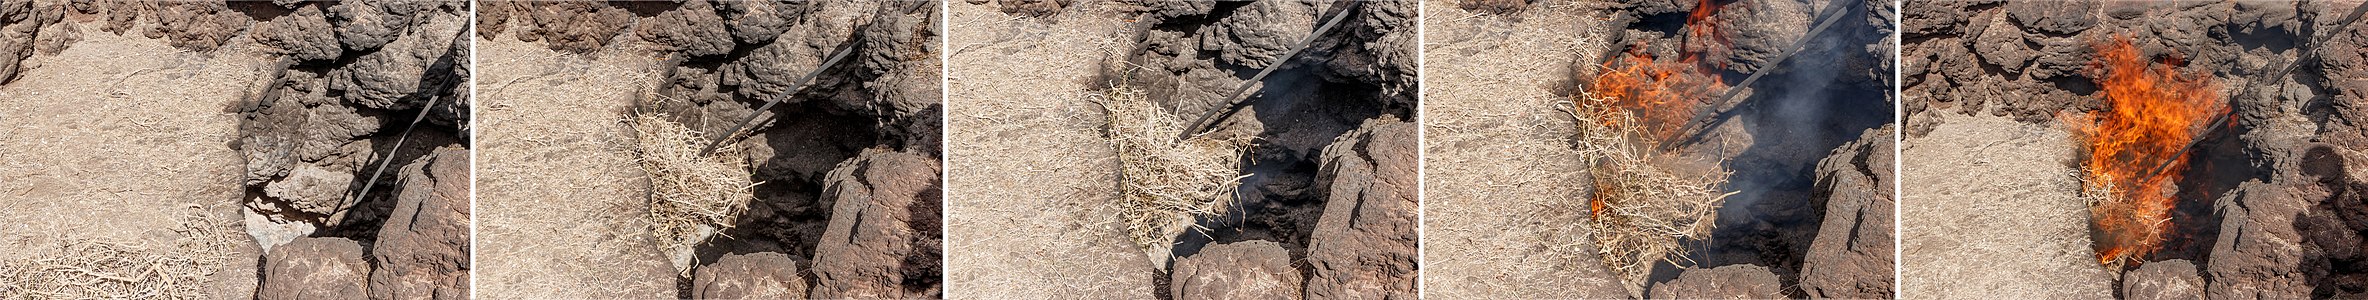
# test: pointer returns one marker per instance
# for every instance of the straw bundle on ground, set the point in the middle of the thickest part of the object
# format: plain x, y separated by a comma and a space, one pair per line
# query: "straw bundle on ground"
84, 269
691, 197
1641, 212
1164, 183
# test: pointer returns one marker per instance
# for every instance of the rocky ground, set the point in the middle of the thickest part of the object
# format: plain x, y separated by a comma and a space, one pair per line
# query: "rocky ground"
848, 199
1336, 144
2268, 207
1815, 216
276, 110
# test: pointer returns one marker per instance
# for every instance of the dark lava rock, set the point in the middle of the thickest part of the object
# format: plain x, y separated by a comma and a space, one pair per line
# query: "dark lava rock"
1259, 34
369, 25
304, 34
767, 71
1498, 7
1034, 8
2055, 17
757, 22
422, 251
1925, 18
2163, 280
1757, 32
1655, 7
1376, 46
315, 268
197, 26
1728, 282
1365, 243
1242, 270
19, 28
303, 151
395, 76
693, 29
570, 26
2258, 255
2003, 46
883, 231
900, 75
1163, 10
763, 275
1852, 254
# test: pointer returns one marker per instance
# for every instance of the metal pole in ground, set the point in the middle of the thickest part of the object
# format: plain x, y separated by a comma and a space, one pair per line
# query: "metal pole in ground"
793, 91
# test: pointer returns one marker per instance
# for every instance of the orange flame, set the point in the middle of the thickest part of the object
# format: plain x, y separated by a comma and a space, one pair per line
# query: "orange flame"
2151, 115
1660, 95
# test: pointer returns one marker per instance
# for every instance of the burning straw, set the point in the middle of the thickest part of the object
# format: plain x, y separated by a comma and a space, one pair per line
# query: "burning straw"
1164, 183
691, 197
83, 269
2151, 114
1641, 212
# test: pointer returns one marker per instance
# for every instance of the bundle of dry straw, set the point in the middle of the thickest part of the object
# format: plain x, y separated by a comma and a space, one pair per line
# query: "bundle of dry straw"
84, 269
1641, 211
1164, 183
691, 197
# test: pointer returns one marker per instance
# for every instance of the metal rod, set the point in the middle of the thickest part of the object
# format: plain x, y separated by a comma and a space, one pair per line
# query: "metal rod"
1833, 12
1235, 100
398, 147
793, 91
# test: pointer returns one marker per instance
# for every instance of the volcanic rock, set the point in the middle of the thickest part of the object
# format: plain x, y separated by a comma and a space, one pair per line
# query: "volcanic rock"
1852, 254
1254, 269
767, 71
1376, 46
1365, 243
883, 228
1034, 8
422, 250
303, 33
54, 38
757, 22
315, 268
763, 275
1758, 32
694, 29
1922, 18
312, 189
193, 25
392, 77
1163, 10
2165, 280
1259, 34
1655, 7
2055, 17
2258, 254
1728, 282
2002, 46
897, 66
369, 25
570, 26
1496, 7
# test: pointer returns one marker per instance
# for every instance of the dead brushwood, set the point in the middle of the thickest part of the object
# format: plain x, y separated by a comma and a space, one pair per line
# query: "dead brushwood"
1642, 210
691, 197
84, 269
1163, 183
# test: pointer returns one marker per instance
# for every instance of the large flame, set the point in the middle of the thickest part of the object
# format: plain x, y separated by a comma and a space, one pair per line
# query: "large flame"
2152, 113
1660, 95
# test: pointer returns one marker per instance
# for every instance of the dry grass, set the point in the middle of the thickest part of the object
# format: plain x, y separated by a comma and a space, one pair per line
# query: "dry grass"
1162, 182
691, 197
85, 269
1642, 212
